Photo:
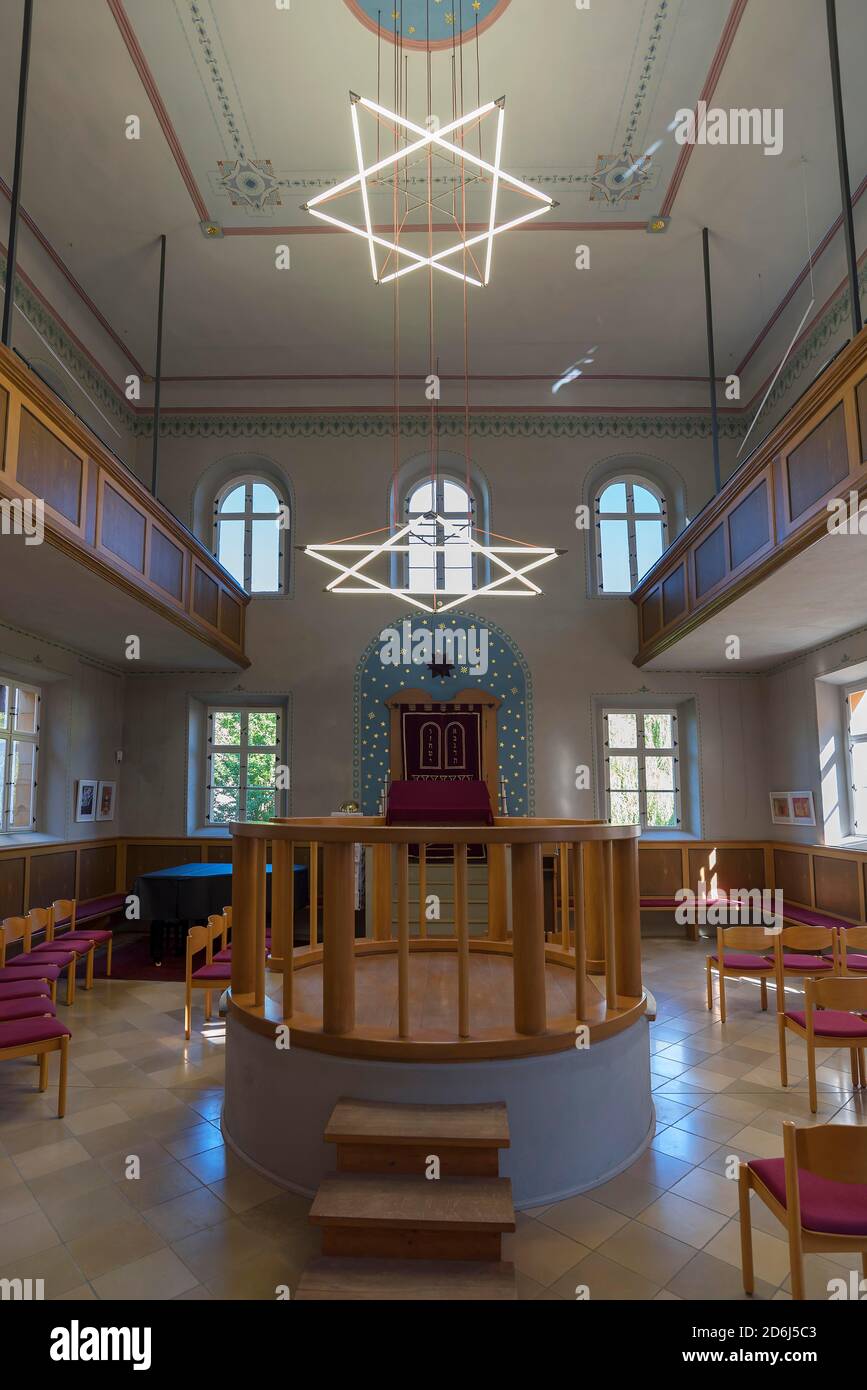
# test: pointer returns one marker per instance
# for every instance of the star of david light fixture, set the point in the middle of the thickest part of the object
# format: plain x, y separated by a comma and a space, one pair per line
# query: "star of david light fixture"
415, 147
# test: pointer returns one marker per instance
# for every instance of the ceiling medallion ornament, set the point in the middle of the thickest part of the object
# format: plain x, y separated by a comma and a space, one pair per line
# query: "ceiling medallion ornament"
423, 208
418, 24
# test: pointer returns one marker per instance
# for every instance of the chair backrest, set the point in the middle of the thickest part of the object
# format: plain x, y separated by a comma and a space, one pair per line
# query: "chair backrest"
13, 929
219, 930
850, 939
837, 1152
198, 939
40, 919
63, 910
227, 913
809, 939
758, 940
844, 992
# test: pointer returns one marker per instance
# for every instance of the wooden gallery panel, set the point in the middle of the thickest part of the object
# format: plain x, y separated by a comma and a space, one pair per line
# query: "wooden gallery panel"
792, 874
206, 596
861, 398
96, 871
230, 618
659, 872
727, 868
818, 464
122, 530
749, 525
11, 887
710, 562
48, 469
837, 886
51, 876
4, 415
166, 564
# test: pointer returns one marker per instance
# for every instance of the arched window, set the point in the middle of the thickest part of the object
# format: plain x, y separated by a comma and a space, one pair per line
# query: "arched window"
631, 531
250, 534
441, 514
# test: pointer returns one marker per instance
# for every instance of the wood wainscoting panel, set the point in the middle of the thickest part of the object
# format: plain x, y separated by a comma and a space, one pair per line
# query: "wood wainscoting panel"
11, 887
48, 469
818, 463
230, 617
145, 859
97, 869
749, 525
674, 595
727, 867
710, 562
659, 872
122, 528
206, 596
51, 876
4, 415
792, 874
166, 566
837, 888
219, 854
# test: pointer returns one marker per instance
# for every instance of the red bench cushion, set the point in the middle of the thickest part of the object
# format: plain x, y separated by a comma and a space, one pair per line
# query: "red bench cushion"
810, 916
31, 1030
25, 1008
832, 1023
38, 970
99, 907
836, 1207
26, 989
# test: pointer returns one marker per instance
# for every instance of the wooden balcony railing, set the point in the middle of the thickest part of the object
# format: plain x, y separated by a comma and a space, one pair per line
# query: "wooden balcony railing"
100, 514
597, 944
772, 508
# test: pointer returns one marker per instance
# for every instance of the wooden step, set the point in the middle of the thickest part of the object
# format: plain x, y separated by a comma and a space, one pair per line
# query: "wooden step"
378, 1137
399, 1217
391, 1281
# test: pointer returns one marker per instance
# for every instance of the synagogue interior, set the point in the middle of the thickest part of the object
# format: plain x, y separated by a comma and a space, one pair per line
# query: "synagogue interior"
433, 575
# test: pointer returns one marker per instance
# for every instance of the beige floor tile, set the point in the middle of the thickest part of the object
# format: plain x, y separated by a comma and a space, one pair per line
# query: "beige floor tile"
184, 1215
55, 1266
582, 1219
16, 1200
770, 1255
758, 1141
627, 1194
106, 1248
715, 1127
49, 1158
160, 1183
659, 1168
218, 1247
647, 1252
26, 1235
682, 1219
707, 1278
540, 1251
605, 1280
709, 1190
242, 1190
196, 1140
78, 1216
680, 1144
96, 1117
159, 1275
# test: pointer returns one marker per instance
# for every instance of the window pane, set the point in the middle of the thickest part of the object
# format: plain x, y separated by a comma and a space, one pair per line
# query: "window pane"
4, 706
613, 498
660, 808
458, 558
2, 783
422, 499
422, 557
658, 731
26, 702
230, 548
622, 731
261, 769
21, 808
614, 536
659, 774
226, 770
264, 498
227, 727
224, 805
644, 500
648, 544
455, 498
234, 500
859, 764
857, 711
262, 729
623, 774
265, 574
624, 808
260, 804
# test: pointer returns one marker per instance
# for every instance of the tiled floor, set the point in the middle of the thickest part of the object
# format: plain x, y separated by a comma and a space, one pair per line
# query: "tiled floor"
198, 1223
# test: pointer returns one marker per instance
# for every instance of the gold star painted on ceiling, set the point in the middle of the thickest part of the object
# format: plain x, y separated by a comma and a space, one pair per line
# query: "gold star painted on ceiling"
477, 4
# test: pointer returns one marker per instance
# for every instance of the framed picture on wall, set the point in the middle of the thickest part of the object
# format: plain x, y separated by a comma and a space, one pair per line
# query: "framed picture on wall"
781, 809
85, 800
803, 810
105, 801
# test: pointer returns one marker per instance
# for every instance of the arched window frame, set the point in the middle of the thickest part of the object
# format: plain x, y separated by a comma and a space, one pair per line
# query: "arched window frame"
630, 515
248, 516
464, 516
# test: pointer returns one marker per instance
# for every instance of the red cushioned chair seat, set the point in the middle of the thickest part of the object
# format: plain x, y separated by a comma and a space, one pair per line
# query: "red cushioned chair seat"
69, 943
740, 960
31, 1030
795, 962
25, 1008
839, 1208
60, 958
96, 934
856, 962
832, 1023
26, 989
809, 917
39, 970
213, 972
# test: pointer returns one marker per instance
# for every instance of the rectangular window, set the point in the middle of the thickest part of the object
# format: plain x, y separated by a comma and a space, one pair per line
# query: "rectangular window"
19, 749
855, 711
244, 758
642, 786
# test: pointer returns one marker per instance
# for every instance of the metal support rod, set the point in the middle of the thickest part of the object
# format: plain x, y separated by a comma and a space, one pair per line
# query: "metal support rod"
159, 369
843, 162
711, 361
15, 208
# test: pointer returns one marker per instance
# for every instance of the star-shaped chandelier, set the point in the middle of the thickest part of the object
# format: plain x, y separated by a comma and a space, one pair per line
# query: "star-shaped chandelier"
354, 578
404, 187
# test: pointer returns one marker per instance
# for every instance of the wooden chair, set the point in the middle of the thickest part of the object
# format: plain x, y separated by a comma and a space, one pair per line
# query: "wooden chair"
28, 1036
800, 952
740, 952
833, 1017
18, 929
851, 943
818, 1190
41, 919
211, 974
63, 911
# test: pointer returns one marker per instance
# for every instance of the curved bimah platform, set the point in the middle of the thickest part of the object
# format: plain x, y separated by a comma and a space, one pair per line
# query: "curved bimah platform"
555, 1029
